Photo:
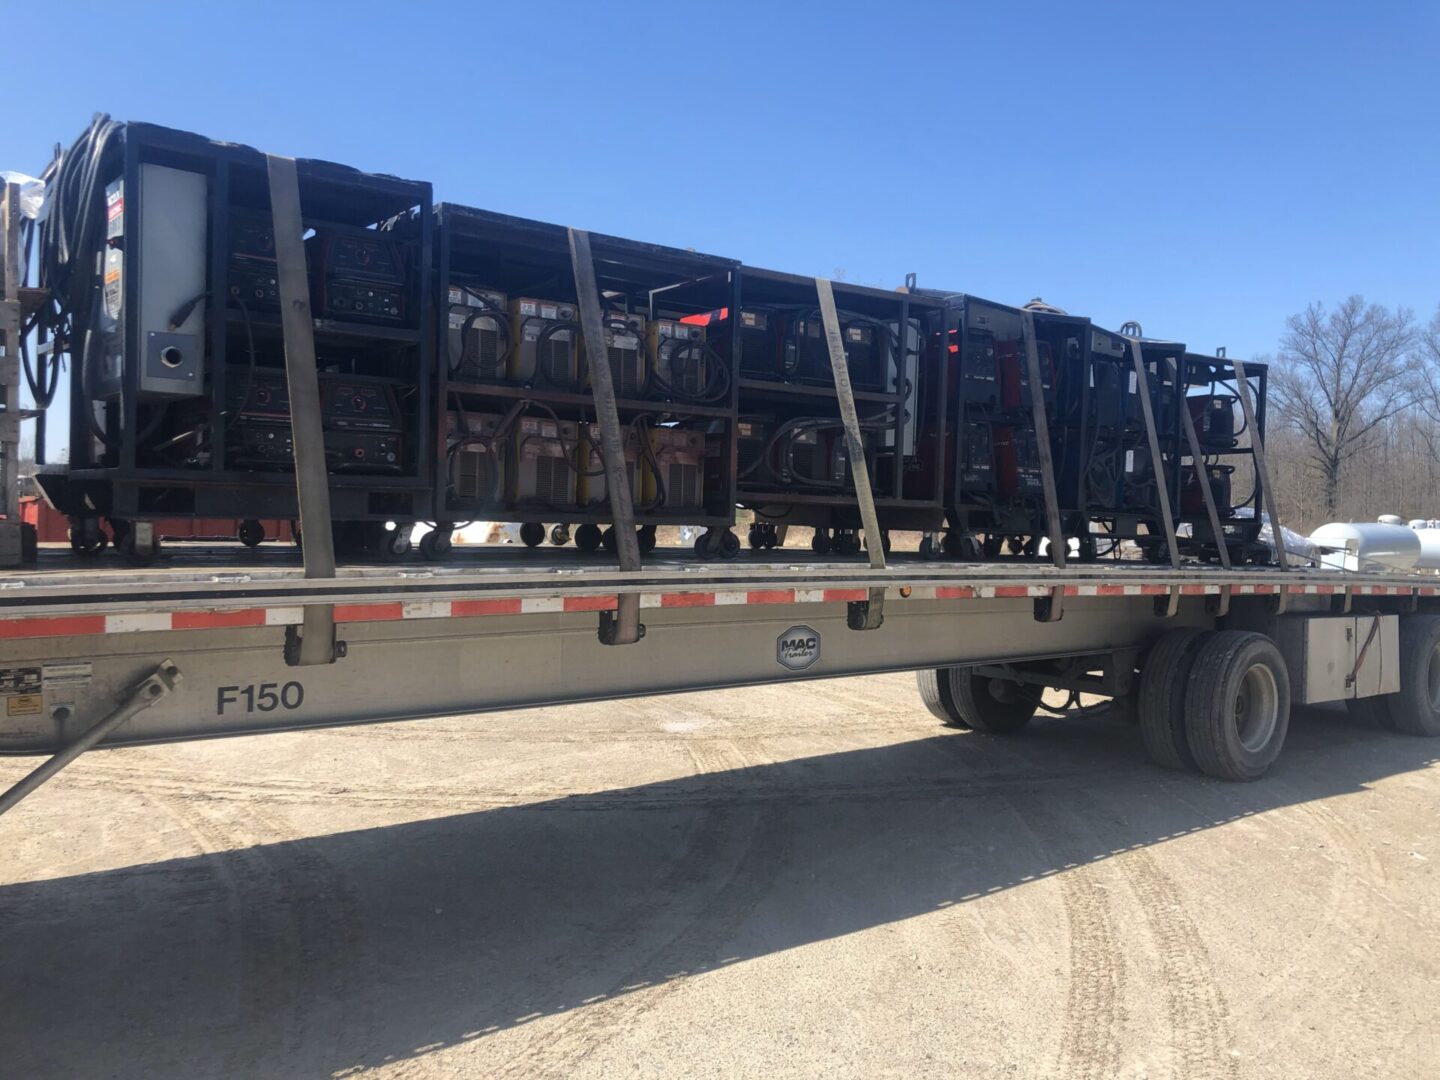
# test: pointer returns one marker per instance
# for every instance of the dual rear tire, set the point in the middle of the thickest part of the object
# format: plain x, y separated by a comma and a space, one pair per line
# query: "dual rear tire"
1217, 701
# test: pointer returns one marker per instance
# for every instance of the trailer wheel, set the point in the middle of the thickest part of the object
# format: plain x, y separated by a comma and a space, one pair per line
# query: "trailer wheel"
1237, 707
1415, 708
1163, 681
251, 533
587, 537
934, 684
820, 542
532, 534
992, 706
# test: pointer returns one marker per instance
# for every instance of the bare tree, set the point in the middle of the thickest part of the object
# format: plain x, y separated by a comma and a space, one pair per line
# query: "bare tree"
1341, 375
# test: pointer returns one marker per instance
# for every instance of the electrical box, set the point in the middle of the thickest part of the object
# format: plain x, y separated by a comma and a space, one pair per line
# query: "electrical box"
626, 351
545, 348
476, 339
1334, 657
542, 464
476, 460
154, 272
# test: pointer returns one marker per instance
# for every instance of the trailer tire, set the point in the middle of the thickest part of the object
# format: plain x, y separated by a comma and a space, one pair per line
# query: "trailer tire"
1163, 681
988, 705
1237, 707
934, 684
1415, 708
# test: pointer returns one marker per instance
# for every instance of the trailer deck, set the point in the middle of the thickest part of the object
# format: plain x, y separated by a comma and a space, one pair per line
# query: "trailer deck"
500, 630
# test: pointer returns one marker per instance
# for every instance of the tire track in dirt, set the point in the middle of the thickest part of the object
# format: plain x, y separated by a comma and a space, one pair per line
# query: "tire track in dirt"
1090, 1034
1201, 1035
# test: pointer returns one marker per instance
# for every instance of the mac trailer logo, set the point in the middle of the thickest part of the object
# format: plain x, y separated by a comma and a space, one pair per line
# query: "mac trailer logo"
797, 648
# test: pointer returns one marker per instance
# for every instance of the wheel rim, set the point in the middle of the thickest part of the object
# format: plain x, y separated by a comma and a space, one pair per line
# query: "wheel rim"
1257, 708
1432, 677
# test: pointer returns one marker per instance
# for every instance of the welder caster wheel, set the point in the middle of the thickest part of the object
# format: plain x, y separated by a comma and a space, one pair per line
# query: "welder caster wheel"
820, 542
884, 541
717, 543
394, 544
559, 535
930, 550
645, 536
755, 537
132, 552
1087, 550
587, 537
772, 537
961, 545
846, 544
609, 541
251, 533
436, 544
86, 539
532, 534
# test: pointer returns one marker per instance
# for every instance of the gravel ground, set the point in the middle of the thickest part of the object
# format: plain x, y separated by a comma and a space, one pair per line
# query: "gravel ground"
804, 880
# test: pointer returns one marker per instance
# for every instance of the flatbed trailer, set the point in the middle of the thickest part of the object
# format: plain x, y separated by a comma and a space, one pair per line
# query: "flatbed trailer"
111, 656
228, 641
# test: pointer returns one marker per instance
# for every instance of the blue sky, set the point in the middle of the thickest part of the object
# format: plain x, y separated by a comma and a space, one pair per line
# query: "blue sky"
1206, 169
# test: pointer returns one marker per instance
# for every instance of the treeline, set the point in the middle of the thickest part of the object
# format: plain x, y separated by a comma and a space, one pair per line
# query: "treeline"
1354, 415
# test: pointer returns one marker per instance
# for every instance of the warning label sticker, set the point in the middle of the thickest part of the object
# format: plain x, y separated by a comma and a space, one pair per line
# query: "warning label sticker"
24, 705
20, 680
75, 673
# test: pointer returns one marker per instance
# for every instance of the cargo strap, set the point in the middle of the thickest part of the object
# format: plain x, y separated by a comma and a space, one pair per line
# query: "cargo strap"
623, 626
864, 614
1051, 608
1202, 477
1257, 445
315, 643
1171, 603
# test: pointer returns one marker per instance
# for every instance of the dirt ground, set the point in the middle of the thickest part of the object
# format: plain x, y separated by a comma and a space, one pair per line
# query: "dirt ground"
806, 880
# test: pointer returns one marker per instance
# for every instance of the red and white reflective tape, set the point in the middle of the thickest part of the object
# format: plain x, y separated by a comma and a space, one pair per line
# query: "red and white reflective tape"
391, 611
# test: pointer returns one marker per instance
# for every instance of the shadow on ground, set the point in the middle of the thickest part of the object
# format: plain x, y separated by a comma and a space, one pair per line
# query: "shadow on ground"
335, 953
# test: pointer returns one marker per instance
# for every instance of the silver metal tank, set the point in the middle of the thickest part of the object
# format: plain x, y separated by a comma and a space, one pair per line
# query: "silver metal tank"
1367, 546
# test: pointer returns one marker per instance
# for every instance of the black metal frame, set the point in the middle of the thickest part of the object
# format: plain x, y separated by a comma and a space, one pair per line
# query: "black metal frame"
899, 503
336, 198
523, 257
1241, 535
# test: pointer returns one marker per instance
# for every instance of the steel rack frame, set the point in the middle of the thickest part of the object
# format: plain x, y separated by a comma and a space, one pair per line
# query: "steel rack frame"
1240, 537
902, 500
520, 256
337, 199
